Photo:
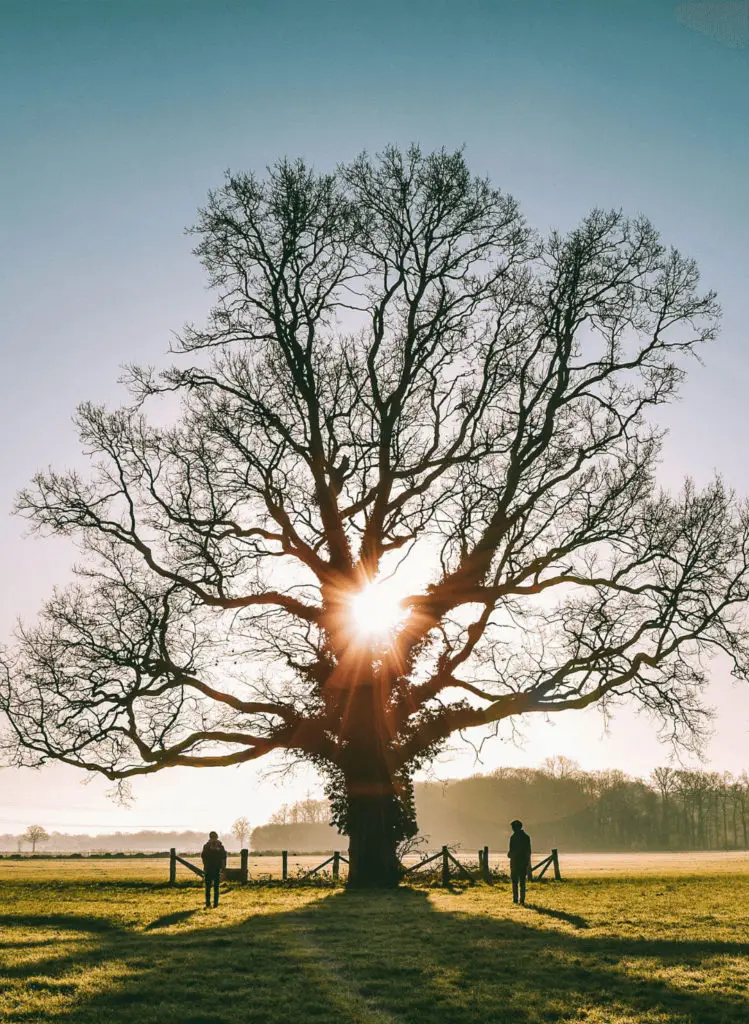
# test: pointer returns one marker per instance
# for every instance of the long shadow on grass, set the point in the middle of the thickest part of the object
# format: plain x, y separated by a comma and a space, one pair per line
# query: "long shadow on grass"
370, 956
167, 920
560, 915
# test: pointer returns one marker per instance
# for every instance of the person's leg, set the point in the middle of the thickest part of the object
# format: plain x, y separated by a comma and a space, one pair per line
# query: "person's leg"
207, 879
522, 888
216, 880
514, 887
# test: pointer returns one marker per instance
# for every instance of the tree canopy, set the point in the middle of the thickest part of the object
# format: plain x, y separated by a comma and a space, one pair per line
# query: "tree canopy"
397, 372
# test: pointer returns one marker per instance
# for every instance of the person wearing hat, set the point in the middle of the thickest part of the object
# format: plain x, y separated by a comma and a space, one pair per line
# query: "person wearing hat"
214, 859
520, 859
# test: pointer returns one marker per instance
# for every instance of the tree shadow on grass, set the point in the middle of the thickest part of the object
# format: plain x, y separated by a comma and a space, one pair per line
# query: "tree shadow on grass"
560, 915
167, 920
373, 957
66, 922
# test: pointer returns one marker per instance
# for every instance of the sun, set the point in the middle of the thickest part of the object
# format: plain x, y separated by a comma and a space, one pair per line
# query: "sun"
376, 610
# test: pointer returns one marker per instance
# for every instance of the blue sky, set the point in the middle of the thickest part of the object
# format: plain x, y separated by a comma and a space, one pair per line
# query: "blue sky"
118, 116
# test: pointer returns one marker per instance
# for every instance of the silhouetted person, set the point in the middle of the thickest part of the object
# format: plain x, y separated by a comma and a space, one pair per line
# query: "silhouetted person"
520, 858
214, 859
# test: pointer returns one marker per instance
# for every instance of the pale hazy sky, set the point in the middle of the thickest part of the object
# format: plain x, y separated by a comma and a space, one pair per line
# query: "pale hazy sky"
116, 118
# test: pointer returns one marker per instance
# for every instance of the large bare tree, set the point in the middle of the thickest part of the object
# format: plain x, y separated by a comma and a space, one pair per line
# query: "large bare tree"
396, 372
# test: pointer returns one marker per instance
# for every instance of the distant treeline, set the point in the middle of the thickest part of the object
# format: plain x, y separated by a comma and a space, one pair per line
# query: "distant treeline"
560, 804
302, 827
146, 841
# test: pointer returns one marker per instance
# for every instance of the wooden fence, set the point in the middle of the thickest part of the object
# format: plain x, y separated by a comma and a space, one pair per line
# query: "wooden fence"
335, 860
449, 860
552, 859
240, 874
449, 863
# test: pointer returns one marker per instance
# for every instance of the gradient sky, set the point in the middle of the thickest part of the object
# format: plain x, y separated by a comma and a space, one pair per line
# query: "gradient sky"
116, 118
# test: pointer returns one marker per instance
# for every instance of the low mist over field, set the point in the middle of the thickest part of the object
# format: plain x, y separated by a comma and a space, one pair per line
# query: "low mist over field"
562, 806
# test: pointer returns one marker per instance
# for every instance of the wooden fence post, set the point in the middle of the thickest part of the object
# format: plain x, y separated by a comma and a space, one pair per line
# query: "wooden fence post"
284, 864
485, 865
172, 866
336, 864
244, 865
555, 861
481, 863
445, 867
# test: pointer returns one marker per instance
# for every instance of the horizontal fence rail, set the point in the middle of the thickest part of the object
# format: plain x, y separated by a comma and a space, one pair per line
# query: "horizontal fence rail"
335, 859
484, 873
427, 860
240, 874
449, 865
545, 864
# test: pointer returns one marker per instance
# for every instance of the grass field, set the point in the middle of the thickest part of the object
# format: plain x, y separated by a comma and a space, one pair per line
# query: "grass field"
156, 869
83, 946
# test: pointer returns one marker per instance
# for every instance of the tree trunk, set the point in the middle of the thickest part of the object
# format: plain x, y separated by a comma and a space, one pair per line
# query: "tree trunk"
664, 821
734, 808
377, 817
373, 838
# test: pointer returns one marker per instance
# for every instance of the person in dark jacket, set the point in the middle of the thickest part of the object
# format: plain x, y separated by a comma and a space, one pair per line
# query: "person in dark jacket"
214, 859
520, 859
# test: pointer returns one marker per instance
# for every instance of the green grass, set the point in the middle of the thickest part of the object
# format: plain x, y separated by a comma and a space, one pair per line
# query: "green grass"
603, 951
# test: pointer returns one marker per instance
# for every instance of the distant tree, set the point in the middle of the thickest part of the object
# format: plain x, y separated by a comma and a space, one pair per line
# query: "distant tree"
741, 798
312, 812
241, 831
303, 812
666, 782
35, 834
397, 373
280, 816
724, 783
561, 767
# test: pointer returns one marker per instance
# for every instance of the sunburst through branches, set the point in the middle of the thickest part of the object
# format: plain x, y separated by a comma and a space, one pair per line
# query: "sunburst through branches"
377, 610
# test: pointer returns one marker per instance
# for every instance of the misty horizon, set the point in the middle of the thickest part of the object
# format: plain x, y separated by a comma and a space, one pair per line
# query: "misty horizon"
316, 809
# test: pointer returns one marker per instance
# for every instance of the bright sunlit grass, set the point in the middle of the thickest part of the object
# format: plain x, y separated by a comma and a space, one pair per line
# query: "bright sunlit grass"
377, 609
85, 949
